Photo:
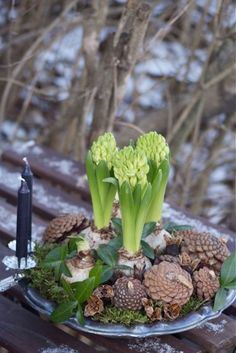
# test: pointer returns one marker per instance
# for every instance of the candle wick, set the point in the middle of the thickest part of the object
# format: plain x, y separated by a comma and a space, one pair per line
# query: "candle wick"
25, 160
22, 179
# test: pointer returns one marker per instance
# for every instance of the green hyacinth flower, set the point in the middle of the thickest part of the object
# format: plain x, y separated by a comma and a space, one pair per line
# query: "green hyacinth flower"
157, 152
99, 167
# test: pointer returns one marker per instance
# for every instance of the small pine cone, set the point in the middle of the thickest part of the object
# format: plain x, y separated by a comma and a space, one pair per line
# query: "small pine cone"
206, 247
104, 291
60, 227
169, 283
172, 311
128, 293
94, 306
205, 283
154, 314
168, 258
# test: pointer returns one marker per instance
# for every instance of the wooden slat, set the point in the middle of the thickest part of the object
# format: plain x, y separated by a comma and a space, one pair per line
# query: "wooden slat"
52, 166
215, 336
48, 201
23, 332
8, 223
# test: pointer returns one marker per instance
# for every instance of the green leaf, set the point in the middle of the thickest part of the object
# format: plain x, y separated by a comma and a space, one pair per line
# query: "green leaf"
148, 229
96, 272
117, 225
107, 273
172, 227
64, 269
63, 312
96, 201
228, 270
107, 254
102, 172
67, 287
84, 289
116, 243
80, 315
147, 250
110, 180
231, 285
56, 256
220, 299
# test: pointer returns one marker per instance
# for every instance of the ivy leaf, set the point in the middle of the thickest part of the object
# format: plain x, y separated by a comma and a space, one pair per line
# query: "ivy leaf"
80, 316
55, 257
228, 270
172, 227
63, 312
116, 243
220, 299
64, 269
147, 250
231, 285
107, 273
84, 289
117, 225
148, 229
107, 254
96, 272
67, 287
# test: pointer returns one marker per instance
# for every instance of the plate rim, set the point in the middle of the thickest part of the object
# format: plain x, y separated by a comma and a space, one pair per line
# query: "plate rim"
190, 321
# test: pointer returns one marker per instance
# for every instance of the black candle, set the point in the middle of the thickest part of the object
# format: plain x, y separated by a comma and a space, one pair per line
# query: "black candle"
22, 226
28, 176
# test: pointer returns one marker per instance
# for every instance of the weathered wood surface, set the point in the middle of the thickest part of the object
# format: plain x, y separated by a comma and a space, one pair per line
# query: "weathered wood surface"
217, 336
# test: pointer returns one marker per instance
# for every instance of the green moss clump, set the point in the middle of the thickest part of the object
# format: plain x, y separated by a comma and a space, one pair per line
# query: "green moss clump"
115, 315
43, 278
193, 304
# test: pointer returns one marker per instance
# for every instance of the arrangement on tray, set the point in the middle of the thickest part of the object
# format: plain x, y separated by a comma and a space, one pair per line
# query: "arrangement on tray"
125, 266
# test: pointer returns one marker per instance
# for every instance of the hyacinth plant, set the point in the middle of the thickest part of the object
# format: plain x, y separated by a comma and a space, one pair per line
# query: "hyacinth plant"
130, 170
158, 154
99, 167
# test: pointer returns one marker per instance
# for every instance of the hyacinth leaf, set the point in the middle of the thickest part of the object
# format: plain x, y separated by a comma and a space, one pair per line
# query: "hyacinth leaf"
148, 229
102, 172
128, 216
111, 180
158, 193
228, 271
147, 250
142, 215
137, 195
96, 202
220, 299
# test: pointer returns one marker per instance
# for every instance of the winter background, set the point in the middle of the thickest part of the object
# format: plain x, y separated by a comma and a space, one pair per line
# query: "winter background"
189, 52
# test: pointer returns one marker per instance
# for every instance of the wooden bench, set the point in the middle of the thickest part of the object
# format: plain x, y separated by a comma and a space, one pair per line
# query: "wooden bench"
60, 190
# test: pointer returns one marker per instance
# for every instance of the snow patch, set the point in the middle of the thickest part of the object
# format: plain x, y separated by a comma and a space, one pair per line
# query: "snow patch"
151, 345
215, 328
60, 349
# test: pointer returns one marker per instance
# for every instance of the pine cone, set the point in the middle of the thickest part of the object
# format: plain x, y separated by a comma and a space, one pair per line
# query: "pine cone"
128, 293
94, 306
60, 227
169, 283
168, 258
205, 283
206, 247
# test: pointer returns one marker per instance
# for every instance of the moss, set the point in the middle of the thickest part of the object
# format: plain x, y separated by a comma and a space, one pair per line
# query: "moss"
192, 305
115, 315
43, 279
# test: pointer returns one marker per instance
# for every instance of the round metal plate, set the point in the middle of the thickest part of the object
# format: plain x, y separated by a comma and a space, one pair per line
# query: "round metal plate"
188, 322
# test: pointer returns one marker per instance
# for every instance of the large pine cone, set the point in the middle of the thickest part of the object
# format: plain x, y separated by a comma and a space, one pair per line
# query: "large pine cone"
169, 283
128, 293
205, 283
60, 227
206, 247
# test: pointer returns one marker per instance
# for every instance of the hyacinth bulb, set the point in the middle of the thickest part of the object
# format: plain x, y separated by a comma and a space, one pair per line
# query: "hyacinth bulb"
131, 165
154, 146
104, 149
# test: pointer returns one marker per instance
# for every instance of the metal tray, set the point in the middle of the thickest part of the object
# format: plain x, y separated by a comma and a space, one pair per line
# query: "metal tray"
185, 323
